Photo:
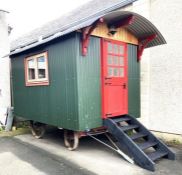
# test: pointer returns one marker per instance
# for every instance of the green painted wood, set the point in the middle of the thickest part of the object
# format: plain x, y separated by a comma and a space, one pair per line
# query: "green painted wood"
89, 85
73, 98
55, 104
133, 82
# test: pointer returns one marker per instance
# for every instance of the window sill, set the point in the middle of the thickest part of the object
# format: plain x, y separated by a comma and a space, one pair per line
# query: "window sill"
37, 83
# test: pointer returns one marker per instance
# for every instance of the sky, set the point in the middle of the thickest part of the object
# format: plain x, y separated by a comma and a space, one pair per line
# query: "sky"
25, 15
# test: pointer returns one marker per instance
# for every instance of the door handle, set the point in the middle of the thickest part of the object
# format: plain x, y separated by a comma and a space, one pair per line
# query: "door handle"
124, 85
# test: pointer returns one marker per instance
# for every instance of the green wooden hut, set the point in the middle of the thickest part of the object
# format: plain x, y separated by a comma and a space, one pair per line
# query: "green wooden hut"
82, 74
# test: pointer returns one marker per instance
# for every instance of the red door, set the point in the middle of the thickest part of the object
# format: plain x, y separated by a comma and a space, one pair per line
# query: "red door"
114, 78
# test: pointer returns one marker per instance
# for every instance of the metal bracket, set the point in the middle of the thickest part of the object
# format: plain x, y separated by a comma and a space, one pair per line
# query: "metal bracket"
116, 149
143, 43
86, 32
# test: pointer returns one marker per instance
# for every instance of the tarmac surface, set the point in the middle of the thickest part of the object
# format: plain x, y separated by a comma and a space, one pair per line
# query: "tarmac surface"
25, 155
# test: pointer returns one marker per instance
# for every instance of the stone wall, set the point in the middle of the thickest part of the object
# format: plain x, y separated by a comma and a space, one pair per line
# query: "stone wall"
161, 67
165, 112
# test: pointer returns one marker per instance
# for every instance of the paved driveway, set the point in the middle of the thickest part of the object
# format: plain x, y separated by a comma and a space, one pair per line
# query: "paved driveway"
25, 155
21, 158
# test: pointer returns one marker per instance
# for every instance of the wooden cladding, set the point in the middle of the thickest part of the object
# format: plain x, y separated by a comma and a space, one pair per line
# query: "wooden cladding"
121, 35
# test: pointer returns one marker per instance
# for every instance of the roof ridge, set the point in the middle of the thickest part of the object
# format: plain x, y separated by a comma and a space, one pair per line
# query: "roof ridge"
67, 14
61, 24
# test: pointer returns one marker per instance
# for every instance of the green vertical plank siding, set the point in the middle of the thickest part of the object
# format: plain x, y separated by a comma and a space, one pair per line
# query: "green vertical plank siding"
133, 82
55, 104
89, 85
73, 98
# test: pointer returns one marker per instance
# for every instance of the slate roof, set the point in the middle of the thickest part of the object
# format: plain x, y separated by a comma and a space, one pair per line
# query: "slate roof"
87, 11
85, 16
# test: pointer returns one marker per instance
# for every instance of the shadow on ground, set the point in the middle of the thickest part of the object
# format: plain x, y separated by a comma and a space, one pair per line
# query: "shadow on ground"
16, 154
49, 156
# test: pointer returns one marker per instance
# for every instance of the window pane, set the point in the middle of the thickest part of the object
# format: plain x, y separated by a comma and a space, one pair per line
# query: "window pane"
110, 71
121, 72
115, 48
109, 59
121, 61
31, 64
31, 74
121, 49
115, 60
31, 69
41, 63
109, 47
116, 72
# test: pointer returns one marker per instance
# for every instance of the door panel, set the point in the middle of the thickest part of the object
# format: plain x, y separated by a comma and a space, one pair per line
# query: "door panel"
114, 78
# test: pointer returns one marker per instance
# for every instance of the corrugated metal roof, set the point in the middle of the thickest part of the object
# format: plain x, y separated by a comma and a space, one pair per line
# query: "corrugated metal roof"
67, 24
141, 27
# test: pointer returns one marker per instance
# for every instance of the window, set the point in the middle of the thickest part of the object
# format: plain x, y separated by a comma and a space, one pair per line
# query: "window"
36, 70
115, 60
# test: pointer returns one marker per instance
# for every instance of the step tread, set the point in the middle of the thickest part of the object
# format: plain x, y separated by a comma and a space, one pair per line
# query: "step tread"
144, 158
157, 155
147, 144
129, 127
121, 119
137, 136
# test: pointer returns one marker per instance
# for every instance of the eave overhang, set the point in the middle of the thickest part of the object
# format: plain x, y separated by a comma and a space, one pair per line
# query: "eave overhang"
139, 26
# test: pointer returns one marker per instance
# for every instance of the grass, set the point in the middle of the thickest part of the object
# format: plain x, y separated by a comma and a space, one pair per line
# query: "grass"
174, 143
22, 128
19, 131
1, 128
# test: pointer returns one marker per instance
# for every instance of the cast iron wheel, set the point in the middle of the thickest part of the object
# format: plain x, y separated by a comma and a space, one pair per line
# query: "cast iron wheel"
71, 139
37, 129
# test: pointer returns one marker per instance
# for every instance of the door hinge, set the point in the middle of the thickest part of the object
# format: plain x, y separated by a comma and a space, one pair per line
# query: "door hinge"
108, 78
108, 83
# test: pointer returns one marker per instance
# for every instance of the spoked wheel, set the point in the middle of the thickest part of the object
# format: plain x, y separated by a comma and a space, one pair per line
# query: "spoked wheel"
71, 139
37, 129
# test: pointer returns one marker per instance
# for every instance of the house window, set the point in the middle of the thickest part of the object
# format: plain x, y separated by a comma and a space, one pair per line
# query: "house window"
36, 70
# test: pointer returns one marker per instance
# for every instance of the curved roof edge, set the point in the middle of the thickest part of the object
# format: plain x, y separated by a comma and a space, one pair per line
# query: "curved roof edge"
141, 28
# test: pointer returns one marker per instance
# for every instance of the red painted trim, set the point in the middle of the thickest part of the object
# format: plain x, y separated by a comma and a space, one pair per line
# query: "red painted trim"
143, 43
36, 83
126, 56
124, 22
102, 79
86, 32
94, 131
